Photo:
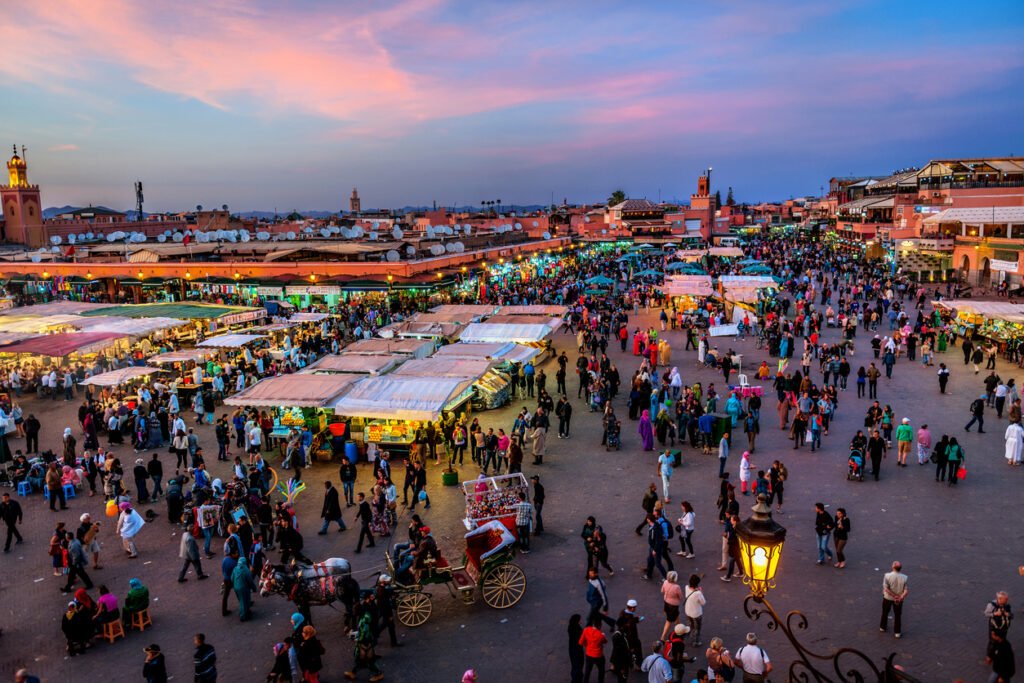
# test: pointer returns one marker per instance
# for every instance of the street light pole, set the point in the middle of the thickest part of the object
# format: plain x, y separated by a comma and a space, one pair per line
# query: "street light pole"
761, 540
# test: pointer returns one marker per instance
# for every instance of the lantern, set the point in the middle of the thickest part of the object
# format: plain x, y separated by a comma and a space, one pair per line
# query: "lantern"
761, 539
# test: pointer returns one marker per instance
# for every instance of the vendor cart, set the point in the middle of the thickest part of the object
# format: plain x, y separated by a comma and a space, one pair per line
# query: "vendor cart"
487, 563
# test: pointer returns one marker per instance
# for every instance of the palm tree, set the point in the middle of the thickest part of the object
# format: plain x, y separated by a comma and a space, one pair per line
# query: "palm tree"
199, 207
617, 197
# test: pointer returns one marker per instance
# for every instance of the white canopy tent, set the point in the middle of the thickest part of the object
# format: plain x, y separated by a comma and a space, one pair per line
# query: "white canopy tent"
465, 368
417, 348
354, 363
994, 310
402, 398
308, 317
502, 332
295, 390
688, 285
182, 356
114, 378
131, 327
230, 341
518, 353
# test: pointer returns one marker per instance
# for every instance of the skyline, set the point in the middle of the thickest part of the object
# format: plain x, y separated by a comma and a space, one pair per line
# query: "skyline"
262, 106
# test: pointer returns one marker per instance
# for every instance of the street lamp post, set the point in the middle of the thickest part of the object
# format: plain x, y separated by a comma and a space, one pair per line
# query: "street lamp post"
760, 546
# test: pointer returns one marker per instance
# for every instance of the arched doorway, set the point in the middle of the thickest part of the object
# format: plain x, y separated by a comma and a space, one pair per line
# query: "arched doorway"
985, 272
965, 269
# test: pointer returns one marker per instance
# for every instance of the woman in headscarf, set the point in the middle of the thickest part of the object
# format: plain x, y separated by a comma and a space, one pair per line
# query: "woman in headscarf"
734, 407
89, 427
665, 352
77, 627
675, 382
129, 523
646, 431
137, 598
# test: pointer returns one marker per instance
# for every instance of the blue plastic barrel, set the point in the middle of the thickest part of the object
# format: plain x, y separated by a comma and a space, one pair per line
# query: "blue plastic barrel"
351, 451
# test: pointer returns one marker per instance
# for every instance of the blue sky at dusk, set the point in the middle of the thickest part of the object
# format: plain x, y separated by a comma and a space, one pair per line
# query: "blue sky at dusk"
265, 105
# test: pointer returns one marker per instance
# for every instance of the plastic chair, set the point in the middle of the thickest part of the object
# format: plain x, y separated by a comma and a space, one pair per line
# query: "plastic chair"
69, 491
141, 619
24, 488
743, 382
112, 630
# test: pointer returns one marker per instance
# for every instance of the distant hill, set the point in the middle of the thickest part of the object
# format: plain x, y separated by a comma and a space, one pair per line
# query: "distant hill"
55, 211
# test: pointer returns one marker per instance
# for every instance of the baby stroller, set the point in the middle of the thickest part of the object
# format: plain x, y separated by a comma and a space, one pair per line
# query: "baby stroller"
612, 436
856, 463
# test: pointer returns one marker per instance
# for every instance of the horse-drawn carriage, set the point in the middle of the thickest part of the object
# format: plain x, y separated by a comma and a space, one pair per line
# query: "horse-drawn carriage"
487, 563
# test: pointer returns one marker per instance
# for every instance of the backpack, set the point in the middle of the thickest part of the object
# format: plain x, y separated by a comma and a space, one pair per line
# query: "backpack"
666, 528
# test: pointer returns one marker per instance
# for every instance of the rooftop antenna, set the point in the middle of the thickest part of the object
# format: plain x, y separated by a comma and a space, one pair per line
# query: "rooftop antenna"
24, 156
138, 199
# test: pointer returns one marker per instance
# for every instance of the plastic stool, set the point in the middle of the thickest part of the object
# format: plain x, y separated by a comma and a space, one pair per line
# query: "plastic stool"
24, 488
141, 619
69, 491
112, 630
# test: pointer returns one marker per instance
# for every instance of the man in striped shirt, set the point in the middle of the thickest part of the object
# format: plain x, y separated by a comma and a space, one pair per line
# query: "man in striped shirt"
524, 519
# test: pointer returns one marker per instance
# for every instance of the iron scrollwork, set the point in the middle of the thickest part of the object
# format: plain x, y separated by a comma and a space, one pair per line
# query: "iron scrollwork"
848, 664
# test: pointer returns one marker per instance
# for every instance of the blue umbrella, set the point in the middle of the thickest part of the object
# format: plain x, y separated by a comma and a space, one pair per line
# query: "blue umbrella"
600, 280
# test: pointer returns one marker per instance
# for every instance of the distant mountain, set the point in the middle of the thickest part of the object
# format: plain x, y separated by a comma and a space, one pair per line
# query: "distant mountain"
55, 211
132, 215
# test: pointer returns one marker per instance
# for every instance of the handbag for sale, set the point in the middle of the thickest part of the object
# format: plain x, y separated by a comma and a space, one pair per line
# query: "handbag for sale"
961, 473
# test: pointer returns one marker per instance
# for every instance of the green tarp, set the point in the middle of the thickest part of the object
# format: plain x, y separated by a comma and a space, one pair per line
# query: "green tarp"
181, 311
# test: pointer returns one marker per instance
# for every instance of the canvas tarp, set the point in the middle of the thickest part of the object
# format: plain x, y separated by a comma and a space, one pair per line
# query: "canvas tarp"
36, 324
354, 363
308, 317
400, 398
418, 348
496, 332
54, 308
299, 390
518, 353
64, 344
536, 309
993, 310
119, 376
130, 327
230, 341
419, 329
553, 323
466, 368
688, 285
188, 311
182, 356
475, 309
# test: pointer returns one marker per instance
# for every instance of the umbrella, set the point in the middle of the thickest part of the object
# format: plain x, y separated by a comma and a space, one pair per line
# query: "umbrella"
748, 261
757, 270
649, 273
600, 280
627, 257
691, 268
641, 247
595, 292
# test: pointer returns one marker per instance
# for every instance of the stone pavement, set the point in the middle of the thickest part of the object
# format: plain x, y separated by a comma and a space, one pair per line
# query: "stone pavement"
957, 545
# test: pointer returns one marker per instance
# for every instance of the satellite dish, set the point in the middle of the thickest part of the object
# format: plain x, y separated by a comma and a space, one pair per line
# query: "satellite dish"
36, 258
373, 235
437, 250
72, 239
177, 237
376, 224
111, 238
290, 235
89, 235
536, 224
450, 247
55, 239
231, 237
308, 231
55, 250
397, 233
586, 219
167, 232
393, 255
604, 232
245, 236
161, 238
547, 235
325, 233
518, 226
468, 229
410, 250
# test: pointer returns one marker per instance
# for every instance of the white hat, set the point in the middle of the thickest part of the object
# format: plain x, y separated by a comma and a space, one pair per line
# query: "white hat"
631, 603
682, 629
906, 420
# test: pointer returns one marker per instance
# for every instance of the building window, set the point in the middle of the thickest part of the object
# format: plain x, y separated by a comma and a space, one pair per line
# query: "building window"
899, 210
31, 211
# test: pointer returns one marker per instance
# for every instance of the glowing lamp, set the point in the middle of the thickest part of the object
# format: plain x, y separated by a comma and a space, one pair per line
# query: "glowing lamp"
312, 277
761, 539
501, 261
237, 276
463, 269
188, 275
391, 278
46, 274
440, 275
140, 275
88, 276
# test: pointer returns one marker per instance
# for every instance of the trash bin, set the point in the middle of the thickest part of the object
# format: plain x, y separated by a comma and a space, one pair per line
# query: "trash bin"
722, 426
352, 452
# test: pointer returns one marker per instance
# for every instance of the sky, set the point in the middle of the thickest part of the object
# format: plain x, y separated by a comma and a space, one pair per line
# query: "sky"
267, 105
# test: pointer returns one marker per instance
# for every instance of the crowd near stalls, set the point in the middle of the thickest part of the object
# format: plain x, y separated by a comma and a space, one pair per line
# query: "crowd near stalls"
297, 382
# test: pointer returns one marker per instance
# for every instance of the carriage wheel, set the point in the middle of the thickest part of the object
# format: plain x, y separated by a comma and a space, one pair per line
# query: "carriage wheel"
413, 609
504, 586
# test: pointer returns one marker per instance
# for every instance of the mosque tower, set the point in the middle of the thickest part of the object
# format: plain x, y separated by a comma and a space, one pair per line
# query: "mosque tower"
23, 211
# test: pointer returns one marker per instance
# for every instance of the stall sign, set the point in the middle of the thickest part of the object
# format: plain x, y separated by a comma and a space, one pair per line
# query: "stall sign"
1007, 266
243, 317
321, 290
269, 291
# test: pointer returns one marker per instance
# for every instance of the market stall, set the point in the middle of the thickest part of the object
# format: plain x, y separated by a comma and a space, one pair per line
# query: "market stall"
230, 341
531, 334
417, 348
504, 351
491, 385
522, 319
65, 344
353, 363
999, 322
386, 411
534, 309
475, 309
120, 376
494, 499
746, 288
686, 291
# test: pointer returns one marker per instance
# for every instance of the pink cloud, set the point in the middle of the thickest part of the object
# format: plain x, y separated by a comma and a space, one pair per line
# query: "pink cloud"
67, 147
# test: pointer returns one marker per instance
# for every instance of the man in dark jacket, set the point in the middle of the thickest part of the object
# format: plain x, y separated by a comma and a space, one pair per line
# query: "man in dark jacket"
364, 515
32, 434
10, 513
331, 511
204, 660
348, 474
564, 412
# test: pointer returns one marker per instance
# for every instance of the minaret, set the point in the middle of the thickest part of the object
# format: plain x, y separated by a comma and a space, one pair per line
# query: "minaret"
354, 204
23, 211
